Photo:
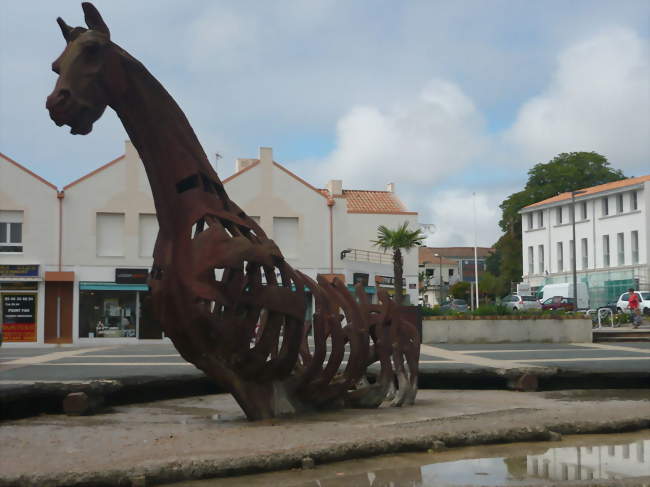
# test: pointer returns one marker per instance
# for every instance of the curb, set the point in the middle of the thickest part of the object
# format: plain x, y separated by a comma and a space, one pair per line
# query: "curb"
34, 399
177, 471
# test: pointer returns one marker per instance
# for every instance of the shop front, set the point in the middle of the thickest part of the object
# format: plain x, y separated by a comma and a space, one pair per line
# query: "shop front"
117, 310
19, 291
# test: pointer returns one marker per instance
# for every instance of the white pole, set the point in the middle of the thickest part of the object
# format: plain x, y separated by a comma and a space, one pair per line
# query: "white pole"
475, 253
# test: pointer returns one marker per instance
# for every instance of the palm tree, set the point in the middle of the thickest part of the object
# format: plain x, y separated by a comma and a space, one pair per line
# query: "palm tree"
396, 240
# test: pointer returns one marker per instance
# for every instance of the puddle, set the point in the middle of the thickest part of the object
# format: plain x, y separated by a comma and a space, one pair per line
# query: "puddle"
598, 458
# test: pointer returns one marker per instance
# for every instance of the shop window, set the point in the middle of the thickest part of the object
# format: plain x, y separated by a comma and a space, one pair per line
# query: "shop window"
11, 231
147, 233
110, 234
108, 314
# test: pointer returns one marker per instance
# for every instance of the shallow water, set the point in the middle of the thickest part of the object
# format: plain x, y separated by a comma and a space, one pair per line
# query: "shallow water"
575, 458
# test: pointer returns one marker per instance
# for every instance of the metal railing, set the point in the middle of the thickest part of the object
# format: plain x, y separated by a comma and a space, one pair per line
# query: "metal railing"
601, 314
367, 256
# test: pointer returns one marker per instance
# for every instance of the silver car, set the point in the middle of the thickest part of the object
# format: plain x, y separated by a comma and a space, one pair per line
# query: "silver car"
517, 302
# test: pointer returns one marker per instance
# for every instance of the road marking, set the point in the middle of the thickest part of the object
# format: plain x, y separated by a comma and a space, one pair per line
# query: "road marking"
40, 381
595, 359
123, 364
536, 350
463, 358
620, 348
48, 357
133, 356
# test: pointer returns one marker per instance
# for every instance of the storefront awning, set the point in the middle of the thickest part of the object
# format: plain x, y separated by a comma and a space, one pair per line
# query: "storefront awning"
367, 289
111, 286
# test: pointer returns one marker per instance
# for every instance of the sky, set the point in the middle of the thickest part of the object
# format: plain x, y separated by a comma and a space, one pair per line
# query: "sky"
453, 101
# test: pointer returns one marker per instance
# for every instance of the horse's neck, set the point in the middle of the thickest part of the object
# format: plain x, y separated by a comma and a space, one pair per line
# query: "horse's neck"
165, 142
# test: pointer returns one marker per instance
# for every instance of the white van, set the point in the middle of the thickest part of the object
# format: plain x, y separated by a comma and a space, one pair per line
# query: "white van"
565, 289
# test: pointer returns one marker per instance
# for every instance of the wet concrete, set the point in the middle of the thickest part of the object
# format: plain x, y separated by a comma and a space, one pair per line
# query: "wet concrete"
208, 436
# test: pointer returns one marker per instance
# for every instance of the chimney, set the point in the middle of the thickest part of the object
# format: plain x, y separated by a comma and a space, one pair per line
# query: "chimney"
266, 155
335, 187
242, 164
390, 187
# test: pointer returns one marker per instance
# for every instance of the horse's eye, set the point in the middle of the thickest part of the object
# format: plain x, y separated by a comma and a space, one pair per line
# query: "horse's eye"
92, 48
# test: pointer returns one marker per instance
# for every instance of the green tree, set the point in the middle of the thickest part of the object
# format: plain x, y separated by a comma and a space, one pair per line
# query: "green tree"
460, 290
396, 240
565, 172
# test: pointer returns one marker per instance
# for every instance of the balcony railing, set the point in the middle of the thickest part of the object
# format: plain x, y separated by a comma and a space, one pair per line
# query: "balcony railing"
367, 256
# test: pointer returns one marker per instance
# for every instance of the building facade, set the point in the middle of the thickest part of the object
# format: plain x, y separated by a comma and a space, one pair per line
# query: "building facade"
29, 249
611, 241
74, 263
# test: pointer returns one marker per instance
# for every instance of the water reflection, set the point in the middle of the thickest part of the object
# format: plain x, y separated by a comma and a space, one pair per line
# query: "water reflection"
626, 456
592, 462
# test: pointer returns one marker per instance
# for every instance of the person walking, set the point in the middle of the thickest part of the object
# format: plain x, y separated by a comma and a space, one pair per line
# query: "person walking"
633, 306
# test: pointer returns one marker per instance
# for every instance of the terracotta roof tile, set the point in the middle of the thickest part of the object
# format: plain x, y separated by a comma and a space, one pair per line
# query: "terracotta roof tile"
362, 201
592, 190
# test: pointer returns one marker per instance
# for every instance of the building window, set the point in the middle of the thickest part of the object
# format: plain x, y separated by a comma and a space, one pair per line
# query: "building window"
619, 203
585, 255
558, 218
531, 263
634, 202
529, 219
147, 233
620, 247
583, 210
285, 235
605, 250
540, 258
11, 231
605, 204
572, 254
540, 219
451, 273
635, 247
110, 234
560, 257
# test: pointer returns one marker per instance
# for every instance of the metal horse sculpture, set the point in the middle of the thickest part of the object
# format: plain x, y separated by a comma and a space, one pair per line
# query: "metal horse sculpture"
246, 330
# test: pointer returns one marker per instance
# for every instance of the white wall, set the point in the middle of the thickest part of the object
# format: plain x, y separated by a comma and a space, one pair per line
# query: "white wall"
120, 193
592, 228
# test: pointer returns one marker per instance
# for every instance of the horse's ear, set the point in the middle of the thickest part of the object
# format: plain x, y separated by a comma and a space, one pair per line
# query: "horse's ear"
94, 21
65, 28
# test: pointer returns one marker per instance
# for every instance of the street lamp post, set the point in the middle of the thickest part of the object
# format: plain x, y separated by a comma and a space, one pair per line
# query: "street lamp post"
573, 245
440, 257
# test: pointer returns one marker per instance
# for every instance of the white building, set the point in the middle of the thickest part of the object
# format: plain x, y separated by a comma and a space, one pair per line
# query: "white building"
612, 245
29, 247
79, 258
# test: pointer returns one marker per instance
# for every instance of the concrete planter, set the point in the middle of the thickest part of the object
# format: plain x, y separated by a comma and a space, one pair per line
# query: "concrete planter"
505, 330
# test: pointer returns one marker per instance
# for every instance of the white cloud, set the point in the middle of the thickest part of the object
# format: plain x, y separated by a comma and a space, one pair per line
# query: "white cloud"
598, 99
416, 141
452, 211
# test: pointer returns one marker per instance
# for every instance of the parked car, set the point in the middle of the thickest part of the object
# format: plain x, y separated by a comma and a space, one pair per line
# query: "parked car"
517, 302
644, 302
455, 305
560, 302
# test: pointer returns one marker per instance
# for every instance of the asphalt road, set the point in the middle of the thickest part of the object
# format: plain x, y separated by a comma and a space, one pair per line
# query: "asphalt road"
80, 364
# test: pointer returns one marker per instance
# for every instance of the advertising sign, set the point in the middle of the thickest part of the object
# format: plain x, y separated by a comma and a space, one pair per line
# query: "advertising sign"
19, 270
19, 317
131, 276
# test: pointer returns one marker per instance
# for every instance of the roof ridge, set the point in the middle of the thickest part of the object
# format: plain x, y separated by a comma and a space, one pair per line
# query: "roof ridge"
591, 190
95, 171
31, 173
